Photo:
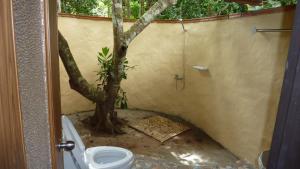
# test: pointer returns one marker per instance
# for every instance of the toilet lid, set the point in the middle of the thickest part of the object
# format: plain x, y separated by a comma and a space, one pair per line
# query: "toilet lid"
70, 133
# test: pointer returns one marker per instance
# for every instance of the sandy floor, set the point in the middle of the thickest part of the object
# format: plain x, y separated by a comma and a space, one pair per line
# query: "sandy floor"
190, 150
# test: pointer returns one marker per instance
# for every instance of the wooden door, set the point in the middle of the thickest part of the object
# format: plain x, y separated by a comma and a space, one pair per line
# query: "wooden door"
53, 82
285, 151
12, 149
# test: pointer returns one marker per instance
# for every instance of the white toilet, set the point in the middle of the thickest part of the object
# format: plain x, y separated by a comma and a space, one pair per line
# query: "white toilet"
103, 157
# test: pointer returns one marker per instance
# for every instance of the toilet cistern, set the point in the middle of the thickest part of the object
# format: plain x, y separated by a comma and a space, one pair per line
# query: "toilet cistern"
102, 157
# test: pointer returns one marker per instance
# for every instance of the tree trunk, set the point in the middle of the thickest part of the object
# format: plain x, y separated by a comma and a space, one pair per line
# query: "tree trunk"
105, 114
105, 118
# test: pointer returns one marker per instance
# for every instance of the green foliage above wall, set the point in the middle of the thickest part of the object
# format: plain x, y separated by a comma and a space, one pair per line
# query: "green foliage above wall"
185, 9
79, 7
188, 9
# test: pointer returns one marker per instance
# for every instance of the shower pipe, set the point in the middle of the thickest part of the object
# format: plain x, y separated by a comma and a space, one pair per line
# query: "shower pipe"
183, 27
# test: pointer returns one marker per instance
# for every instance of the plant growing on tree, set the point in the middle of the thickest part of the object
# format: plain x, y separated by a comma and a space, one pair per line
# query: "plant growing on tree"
105, 118
105, 63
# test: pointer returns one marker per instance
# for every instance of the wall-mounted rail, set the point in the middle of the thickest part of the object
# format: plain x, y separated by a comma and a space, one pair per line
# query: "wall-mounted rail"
272, 30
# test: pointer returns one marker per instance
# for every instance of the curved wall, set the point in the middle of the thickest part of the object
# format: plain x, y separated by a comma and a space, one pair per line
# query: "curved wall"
235, 102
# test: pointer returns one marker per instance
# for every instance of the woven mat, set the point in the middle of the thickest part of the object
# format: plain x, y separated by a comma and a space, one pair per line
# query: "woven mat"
160, 128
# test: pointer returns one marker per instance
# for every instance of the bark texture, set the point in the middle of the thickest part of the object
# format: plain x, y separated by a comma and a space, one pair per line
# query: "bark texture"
147, 18
76, 80
105, 117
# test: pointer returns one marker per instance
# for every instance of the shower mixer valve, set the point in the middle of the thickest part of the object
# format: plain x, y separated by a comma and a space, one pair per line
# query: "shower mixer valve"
177, 77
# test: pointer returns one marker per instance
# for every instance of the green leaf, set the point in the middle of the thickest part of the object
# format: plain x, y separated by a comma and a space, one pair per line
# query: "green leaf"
105, 51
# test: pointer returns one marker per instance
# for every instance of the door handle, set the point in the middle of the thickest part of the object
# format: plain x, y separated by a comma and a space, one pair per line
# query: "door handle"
67, 146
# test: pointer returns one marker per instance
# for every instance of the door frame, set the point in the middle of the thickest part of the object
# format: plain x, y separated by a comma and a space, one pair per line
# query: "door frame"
12, 145
53, 82
285, 149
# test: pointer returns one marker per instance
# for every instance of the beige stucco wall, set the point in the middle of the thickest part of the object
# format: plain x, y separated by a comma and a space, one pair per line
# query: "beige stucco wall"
235, 102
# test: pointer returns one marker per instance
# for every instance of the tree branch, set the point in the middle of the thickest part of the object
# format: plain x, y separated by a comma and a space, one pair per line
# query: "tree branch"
146, 19
117, 19
77, 81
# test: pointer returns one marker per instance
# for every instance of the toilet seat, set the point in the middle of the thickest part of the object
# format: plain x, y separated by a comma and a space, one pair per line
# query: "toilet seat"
99, 157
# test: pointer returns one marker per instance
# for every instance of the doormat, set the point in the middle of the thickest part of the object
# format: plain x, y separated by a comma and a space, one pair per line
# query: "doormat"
160, 128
